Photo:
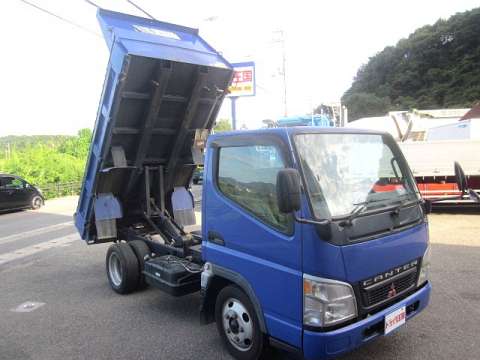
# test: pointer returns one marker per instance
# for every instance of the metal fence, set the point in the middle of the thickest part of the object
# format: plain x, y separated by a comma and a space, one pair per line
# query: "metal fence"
54, 190
60, 189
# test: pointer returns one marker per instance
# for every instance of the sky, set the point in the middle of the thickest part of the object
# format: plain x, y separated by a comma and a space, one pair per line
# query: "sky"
52, 72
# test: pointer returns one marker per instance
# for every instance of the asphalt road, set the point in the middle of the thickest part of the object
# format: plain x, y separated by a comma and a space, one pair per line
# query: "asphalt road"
78, 316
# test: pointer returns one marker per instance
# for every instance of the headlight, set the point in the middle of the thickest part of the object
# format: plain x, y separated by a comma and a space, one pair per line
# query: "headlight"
327, 302
425, 269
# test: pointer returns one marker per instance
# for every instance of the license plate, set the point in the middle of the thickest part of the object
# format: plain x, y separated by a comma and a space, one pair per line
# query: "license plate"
395, 319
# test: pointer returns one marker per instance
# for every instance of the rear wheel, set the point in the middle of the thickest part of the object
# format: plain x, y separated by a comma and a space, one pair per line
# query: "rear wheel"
122, 268
37, 202
238, 325
142, 252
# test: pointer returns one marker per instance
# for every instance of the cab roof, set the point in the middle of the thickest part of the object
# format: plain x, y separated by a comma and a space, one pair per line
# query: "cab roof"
282, 131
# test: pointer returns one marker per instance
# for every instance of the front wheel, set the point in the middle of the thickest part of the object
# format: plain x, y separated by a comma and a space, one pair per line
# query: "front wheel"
238, 325
37, 202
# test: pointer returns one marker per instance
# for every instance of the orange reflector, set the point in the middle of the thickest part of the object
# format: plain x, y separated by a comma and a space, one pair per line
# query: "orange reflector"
307, 287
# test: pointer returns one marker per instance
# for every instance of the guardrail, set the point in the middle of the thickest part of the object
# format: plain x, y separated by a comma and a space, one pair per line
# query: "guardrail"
54, 190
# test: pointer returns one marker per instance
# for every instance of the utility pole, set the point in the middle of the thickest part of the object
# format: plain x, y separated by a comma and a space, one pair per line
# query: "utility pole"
281, 40
234, 112
284, 74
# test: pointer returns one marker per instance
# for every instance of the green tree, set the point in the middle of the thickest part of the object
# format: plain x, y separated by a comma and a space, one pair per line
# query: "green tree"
77, 146
223, 125
46, 159
435, 67
365, 104
41, 165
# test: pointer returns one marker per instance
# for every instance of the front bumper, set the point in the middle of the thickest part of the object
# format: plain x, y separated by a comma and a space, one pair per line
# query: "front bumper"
326, 345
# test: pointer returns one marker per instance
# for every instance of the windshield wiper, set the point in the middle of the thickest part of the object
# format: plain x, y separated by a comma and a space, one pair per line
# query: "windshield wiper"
361, 206
396, 208
358, 209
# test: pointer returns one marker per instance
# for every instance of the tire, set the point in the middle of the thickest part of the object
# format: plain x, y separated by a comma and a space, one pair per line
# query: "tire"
122, 268
141, 250
238, 325
37, 202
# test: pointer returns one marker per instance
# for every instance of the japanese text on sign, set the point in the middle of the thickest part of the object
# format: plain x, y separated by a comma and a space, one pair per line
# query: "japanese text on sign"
243, 82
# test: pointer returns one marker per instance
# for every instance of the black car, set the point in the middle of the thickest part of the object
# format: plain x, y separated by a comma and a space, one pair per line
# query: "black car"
16, 193
197, 176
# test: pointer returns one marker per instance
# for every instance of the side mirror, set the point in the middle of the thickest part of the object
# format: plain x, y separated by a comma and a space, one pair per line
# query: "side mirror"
427, 206
460, 178
288, 190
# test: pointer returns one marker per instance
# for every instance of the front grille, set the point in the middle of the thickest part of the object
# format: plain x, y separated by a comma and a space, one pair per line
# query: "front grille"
389, 289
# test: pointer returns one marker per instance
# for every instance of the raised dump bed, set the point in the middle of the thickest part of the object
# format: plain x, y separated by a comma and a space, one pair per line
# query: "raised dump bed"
163, 88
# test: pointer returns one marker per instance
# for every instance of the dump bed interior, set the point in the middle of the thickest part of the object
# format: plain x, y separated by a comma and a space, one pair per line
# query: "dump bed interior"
163, 88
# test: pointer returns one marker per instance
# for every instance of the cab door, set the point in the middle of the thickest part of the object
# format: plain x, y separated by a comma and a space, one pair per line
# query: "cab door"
245, 233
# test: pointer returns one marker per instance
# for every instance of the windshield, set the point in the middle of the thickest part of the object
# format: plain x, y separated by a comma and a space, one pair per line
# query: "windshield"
344, 172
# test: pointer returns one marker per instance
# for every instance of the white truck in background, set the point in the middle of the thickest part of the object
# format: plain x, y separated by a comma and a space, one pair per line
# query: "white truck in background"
430, 152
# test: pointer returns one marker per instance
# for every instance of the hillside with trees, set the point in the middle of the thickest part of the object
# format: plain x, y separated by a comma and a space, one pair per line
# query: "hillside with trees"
54, 162
435, 67
45, 160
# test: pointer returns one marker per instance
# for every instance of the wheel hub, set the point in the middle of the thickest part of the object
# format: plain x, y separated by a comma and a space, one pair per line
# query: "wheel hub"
238, 324
234, 326
115, 269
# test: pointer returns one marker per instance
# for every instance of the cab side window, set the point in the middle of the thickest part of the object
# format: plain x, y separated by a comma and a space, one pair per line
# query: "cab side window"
248, 176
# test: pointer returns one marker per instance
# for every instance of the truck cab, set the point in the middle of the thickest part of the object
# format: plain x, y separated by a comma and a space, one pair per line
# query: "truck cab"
313, 240
323, 229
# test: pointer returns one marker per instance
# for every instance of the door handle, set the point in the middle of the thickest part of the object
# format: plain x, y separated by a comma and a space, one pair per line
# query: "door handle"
216, 238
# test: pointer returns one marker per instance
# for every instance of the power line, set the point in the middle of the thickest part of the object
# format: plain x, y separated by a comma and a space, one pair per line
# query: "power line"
92, 3
61, 18
139, 8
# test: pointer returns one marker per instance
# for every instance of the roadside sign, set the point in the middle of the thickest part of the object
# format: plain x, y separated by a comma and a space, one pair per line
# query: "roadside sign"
243, 82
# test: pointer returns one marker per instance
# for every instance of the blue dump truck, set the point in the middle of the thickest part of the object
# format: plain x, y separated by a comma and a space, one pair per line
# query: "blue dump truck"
313, 240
